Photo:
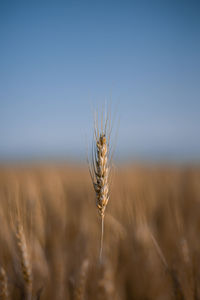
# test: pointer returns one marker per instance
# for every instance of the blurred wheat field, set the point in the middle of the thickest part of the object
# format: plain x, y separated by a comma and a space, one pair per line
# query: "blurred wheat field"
151, 246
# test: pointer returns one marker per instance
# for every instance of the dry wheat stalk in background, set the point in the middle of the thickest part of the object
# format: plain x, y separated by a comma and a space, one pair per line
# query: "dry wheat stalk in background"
79, 290
100, 169
106, 288
24, 261
177, 289
3, 285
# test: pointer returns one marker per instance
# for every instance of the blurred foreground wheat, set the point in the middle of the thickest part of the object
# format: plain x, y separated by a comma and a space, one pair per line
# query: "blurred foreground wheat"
151, 249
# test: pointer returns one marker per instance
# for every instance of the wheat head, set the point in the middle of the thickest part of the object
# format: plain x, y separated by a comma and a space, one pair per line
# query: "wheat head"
79, 290
3, 285
101, 174
100, 170
24, 260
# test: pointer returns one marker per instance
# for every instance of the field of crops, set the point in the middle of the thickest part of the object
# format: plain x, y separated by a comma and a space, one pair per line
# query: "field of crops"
50, 233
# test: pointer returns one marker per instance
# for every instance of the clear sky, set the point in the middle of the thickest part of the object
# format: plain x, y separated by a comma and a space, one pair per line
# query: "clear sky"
58, 59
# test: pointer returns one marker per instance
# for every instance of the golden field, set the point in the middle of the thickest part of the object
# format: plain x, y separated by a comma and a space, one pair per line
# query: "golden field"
50, 233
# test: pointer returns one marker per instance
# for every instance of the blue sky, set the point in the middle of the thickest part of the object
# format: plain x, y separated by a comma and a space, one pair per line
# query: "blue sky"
58, 59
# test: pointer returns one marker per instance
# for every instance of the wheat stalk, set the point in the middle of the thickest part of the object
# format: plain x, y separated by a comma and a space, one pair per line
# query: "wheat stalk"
3, 285
100, 170
177, 291
24, 260
106, 287
80, 287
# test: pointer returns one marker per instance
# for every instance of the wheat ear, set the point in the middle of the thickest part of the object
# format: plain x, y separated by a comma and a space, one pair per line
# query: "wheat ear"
24, 261
80, 287
99, 171
3, 285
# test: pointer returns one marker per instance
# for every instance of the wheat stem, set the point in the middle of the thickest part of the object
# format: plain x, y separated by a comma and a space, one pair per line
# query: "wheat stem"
100, 171
102, 236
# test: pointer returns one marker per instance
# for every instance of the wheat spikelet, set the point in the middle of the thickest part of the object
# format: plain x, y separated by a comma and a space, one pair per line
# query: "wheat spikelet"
3, 285
79, 290
24, 260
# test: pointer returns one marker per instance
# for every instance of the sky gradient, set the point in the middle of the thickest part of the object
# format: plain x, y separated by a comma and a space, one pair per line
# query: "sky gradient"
61, 59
